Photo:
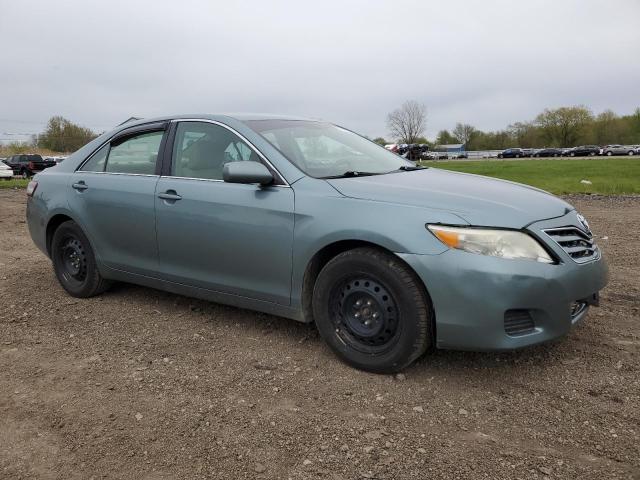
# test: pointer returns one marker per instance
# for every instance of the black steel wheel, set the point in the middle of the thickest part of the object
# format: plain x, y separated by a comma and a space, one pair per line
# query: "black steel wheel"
372, 310
74, 262
364, 314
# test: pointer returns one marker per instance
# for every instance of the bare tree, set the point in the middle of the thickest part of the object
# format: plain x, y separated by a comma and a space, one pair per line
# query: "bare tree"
463, 133
408, 122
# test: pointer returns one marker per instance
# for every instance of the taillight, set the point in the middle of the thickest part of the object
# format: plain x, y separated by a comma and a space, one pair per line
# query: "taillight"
31, 188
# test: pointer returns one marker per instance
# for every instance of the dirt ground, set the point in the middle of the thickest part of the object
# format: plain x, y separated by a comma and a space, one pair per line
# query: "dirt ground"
142, 384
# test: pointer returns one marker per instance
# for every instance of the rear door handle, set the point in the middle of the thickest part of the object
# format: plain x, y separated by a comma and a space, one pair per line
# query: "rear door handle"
170, 196
80, 186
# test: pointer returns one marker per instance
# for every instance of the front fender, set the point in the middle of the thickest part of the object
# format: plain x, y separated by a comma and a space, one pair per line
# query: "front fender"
324, 217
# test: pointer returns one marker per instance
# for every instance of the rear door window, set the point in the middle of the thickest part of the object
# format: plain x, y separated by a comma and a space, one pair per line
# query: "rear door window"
97, 162
135, 155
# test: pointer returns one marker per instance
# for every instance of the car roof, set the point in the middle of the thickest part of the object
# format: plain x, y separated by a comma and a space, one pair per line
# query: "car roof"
242, 117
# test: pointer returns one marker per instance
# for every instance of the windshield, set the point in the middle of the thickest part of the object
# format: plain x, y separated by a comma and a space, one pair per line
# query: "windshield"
324, 150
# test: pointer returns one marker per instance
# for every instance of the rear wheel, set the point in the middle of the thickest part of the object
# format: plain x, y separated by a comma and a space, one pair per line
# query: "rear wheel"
74, 262
609, 154
630, 152
372, 310
24, 173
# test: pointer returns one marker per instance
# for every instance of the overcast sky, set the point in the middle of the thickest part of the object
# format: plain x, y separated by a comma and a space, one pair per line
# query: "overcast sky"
487, 63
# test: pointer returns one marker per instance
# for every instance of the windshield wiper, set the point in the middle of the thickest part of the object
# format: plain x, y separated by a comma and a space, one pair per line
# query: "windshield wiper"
353, 173
410, 168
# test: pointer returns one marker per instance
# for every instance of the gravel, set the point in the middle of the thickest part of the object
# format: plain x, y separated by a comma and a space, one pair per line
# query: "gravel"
139, 383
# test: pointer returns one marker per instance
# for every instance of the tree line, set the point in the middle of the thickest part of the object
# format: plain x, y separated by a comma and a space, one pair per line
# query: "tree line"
62, 135
558, 127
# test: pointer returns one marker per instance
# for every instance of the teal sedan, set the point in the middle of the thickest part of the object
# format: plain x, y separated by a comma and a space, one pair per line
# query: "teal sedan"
310, 221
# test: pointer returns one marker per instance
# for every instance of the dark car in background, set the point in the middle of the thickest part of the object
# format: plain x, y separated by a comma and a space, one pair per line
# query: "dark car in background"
413, 151
584, 151
566, 151
27, 165
511, 153
528, 152
548, 152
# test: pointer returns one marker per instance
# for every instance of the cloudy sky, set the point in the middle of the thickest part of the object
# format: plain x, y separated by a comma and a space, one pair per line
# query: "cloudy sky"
487, 63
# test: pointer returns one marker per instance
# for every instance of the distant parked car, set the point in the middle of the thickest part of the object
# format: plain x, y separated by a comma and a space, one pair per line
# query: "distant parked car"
528, 152
26, 165
548, 152
584, 151
6, 172
414, 151
566, 152
610, 150
637, 149
511, 153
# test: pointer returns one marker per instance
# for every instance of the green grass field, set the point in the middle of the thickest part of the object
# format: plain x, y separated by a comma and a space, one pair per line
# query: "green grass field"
608, 176
14, 183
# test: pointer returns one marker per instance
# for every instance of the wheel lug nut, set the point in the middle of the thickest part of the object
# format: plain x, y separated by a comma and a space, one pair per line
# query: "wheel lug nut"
357, 315
369, 302
375, 315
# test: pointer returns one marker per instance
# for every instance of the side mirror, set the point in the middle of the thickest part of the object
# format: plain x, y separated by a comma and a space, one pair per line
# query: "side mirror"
246, 172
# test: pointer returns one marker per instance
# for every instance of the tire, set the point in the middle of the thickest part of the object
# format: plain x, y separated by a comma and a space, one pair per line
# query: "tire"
630, 152
372, 310
517, 156
609, 154
555, 154
24, 173
74, 262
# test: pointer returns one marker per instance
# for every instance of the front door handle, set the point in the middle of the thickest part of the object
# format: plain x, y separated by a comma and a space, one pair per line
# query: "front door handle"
170, 196
80, 186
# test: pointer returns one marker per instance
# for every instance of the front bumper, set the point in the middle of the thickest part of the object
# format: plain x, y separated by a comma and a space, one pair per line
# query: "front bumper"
472, 293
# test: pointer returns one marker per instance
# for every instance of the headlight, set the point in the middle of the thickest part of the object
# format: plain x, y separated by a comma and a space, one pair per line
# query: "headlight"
496, 243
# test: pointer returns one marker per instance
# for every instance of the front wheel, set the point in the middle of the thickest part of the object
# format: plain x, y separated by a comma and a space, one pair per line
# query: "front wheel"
74, 262
609, 154
372, 310
24, 173
630, 152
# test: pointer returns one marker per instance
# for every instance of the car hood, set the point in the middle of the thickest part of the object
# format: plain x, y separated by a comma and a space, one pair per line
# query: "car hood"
478, 200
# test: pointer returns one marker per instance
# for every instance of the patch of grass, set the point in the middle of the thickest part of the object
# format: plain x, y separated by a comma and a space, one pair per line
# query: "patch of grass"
14, 183
608, 176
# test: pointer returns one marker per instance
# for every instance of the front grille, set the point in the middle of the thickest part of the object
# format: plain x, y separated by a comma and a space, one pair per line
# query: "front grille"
577, 243
518, 322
